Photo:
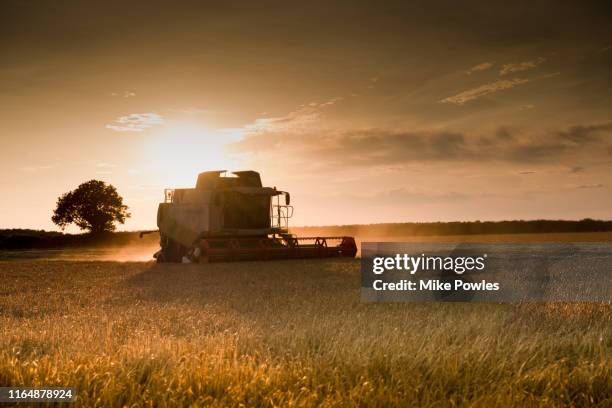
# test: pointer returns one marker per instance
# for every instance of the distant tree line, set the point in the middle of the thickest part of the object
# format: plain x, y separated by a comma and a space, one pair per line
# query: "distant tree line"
471, 227
39, 239
26, 238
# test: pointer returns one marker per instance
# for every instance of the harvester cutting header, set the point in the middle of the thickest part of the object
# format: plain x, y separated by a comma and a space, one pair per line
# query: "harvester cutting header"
232, 217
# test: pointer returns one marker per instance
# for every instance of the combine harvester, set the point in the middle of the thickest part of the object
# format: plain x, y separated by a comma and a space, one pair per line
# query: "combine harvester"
232, 217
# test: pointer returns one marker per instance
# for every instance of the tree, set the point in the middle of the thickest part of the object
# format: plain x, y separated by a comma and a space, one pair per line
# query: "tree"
94, 206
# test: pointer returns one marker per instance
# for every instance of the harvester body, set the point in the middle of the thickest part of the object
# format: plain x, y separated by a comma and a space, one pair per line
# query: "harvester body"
232, 216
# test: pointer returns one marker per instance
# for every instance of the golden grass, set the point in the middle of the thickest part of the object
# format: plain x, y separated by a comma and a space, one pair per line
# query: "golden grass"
286, 333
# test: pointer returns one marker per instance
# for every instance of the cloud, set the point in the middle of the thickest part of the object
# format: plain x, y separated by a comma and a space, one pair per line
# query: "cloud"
135, 122
292, 121
384, 147
534, 151
298, 121
577, 169
401, 196
585, 134
480, 67
106, 165
194, 111
381, 146
504, 133
372, 147
124, 94
295, 119
598, 185
549, 75
483, 90
36, 168
520, 66
387, 147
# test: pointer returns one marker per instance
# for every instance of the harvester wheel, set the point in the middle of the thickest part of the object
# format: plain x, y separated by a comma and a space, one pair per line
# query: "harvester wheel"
171, 251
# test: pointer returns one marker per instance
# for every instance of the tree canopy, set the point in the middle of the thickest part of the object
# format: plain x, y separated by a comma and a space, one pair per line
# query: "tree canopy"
94, 206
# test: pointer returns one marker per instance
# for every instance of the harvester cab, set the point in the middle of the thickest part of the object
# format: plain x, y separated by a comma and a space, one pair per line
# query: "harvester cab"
232, 217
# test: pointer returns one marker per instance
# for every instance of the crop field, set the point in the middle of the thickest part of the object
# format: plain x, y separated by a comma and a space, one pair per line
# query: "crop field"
285, 333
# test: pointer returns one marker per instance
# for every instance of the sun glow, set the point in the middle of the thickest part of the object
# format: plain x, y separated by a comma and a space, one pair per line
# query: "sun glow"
182, 150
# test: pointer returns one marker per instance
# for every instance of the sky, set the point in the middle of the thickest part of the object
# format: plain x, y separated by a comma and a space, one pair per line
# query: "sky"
366, 112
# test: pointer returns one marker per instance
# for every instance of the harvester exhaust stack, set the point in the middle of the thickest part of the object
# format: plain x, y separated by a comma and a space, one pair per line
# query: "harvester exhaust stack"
232, 217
